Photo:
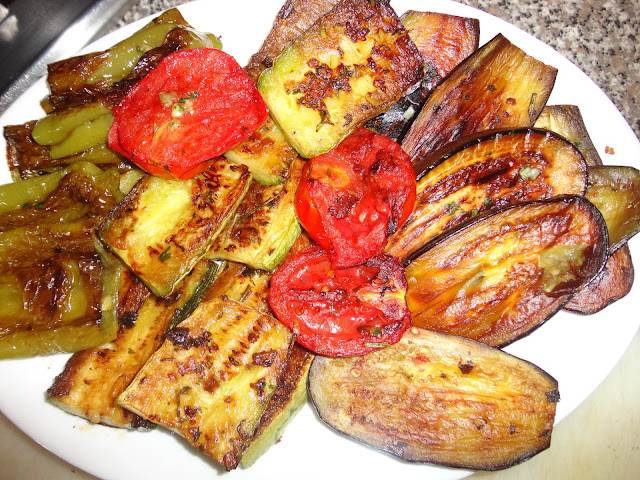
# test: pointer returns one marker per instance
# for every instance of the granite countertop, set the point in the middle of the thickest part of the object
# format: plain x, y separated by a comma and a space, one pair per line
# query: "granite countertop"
601, 438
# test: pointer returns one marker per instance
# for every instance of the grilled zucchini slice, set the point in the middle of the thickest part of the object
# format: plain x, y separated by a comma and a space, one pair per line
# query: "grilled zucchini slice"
440, 399
266, 153
264, 226
92, 379
163, 227
353, 63
212, 378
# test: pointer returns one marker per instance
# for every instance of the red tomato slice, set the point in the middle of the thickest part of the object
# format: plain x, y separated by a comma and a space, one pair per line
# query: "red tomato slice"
194, 106
341, 312
353, 197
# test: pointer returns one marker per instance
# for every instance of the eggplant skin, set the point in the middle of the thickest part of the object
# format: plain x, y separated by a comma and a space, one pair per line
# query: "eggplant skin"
613, 283
488, 171
440, 399
501, 276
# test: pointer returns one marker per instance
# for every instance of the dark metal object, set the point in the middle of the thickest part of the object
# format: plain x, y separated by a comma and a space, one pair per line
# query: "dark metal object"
34, 33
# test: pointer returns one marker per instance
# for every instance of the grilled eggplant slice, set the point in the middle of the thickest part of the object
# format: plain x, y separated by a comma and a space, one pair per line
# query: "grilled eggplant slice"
616, 192
292, 20
212, 378
566, 120
266, 153
499, 86
440, 399
353, 63
612, 284
290, 396
92, 379
500, 276
51, 273
488, 172
443, 41
163, 227
264, 226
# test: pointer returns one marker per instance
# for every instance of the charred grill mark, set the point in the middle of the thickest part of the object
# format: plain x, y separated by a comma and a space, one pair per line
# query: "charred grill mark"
553, 396
191, 412
181, 337
356, 31
259, 387
465, 367
264, 359
211, 383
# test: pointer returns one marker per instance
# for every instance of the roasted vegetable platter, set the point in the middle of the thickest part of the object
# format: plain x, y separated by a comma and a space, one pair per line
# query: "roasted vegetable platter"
578, 351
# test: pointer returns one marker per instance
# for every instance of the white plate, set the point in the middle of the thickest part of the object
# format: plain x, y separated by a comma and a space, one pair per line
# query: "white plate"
578, 351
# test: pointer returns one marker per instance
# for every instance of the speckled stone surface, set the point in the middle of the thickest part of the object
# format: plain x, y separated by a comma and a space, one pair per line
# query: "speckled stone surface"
600, 37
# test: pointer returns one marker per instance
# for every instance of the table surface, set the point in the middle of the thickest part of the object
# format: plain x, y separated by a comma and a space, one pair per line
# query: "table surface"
601, 438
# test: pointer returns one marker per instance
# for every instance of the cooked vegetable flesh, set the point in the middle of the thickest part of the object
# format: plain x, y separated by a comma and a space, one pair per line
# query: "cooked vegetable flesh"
94, 378
242, 284
353, 63
566, 120
489, 172
163, 227
341, 312
440, 399
50, 270
617, 278
613, 283
212, 377
615, 191
443, 42
502, 275
353, 197
499, 86
266, 153
264, 225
